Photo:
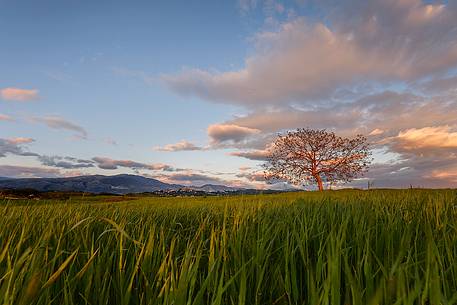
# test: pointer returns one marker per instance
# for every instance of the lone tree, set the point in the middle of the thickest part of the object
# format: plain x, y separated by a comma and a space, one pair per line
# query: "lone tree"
307, 156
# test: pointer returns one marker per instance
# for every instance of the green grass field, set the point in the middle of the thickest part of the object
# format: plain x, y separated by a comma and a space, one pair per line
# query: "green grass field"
340, 247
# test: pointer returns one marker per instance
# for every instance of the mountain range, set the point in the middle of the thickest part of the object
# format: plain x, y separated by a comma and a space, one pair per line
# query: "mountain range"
97, 184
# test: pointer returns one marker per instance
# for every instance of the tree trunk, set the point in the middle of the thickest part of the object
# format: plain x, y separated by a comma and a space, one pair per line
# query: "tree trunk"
319, 182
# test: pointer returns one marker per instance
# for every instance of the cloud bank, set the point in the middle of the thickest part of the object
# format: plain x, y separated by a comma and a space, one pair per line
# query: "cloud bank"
368, 42
111, 164
28, 172
13, 147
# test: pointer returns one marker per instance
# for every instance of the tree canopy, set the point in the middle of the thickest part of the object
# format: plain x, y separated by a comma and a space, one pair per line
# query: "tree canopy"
307, 156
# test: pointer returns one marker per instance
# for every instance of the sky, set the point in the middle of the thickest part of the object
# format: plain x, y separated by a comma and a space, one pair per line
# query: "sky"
194, 92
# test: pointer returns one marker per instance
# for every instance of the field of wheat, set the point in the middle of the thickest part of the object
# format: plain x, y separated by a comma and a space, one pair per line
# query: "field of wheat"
335, 247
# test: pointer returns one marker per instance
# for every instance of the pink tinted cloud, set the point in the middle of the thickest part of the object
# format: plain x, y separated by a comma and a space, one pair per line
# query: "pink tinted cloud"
377, 41
445, 174
18, 95
219, 133
255, 154
20, 140
4, 117
428, 137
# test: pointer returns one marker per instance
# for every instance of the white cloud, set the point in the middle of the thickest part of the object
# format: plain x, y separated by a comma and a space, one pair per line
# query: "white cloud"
180, 146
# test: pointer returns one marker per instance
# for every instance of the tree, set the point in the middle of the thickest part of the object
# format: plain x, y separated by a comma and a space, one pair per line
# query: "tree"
306, 156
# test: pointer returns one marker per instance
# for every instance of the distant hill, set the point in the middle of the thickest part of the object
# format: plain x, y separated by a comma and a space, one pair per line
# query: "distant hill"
118, 184
97, 184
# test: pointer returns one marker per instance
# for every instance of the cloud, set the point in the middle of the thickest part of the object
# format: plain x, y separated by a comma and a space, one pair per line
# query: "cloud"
28, 172
13, 147
57, 122
111, 164
445, 175
376, 42
18, 95
415, 170
194, 178
180, 146
433, 143
20, 140
373, 112
382, 68
198, 178
370, 114
419, 132
428, 137
65, 162
221, 136
388, 111
376, 132
190, 177
244, 168
438, 85
252, 176
4, 117
222, 133
257, 155
338, 117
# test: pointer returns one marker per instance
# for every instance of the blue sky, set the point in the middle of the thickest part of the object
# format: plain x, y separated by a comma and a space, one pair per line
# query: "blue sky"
122, 80
98, 64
